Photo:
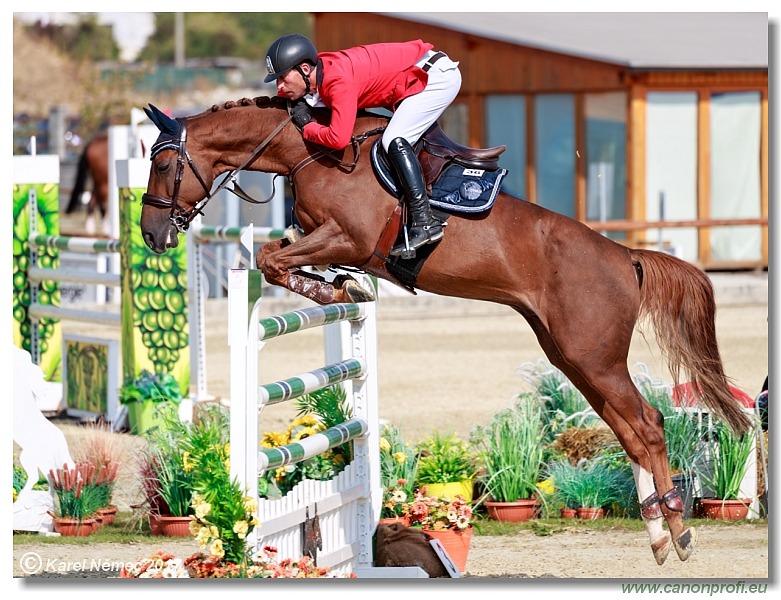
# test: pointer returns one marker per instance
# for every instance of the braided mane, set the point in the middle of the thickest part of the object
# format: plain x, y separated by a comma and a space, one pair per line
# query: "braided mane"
260, 102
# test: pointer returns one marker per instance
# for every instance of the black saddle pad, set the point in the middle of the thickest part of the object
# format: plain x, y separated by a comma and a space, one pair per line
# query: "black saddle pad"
459, 189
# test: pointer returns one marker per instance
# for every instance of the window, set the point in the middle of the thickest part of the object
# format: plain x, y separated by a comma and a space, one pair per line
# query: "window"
735, 129
554, 147
606, 156
671, 169
506, 125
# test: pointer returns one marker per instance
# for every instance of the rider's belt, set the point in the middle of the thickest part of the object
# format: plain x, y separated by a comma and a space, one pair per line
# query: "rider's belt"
432, 59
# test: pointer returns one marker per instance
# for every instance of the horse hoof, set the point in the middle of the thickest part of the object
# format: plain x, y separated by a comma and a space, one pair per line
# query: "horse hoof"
661, 548
356, 293
684, 543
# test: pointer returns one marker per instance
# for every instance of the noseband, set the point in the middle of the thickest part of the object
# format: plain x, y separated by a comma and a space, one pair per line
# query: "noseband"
180, 216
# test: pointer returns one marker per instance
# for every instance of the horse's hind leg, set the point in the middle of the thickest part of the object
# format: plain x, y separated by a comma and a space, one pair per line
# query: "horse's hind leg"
640, 430
601, 374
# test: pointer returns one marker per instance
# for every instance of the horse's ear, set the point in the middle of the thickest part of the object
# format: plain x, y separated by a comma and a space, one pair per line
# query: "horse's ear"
162, 121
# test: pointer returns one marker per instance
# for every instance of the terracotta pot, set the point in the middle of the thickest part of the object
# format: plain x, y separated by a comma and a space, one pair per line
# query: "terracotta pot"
568, 513
154, 524
456, 543
512, 512
174, 526
590, 514
726, 510
391, 520
73, 527
108, 513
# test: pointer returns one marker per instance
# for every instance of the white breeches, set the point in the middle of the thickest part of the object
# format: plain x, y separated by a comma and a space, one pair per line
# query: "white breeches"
417, 113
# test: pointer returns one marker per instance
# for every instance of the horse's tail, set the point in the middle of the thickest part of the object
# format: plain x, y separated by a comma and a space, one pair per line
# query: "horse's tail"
78, 186
677, 298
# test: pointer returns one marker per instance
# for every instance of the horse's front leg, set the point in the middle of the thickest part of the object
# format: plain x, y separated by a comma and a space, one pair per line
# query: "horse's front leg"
281, 259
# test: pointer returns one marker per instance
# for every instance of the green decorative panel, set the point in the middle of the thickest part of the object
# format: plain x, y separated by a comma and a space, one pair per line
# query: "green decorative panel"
155, 330
47, 223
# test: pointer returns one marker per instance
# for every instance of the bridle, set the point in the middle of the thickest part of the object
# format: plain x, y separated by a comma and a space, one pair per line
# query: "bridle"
180, 216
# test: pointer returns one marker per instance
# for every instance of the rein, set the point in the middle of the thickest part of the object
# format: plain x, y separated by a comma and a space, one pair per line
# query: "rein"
355, 143
182, 218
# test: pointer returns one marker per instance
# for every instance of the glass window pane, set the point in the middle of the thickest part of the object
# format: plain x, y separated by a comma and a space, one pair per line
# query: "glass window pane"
606, 155
554, 143
506, 125
735, 127
671, 169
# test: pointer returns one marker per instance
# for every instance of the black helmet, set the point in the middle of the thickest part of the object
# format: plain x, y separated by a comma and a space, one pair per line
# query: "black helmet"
287, 52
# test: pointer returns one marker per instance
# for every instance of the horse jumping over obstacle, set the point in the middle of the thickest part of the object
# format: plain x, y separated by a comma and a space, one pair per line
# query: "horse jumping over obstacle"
92, 163
581, 293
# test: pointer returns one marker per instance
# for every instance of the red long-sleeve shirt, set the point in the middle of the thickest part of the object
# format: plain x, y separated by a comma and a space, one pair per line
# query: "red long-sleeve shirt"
371, 76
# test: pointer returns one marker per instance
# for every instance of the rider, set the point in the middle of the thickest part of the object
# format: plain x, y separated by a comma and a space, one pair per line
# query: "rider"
408, 78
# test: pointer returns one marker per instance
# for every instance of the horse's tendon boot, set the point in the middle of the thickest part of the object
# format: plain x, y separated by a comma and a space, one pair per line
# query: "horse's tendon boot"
661, 548
307, 286
684, 543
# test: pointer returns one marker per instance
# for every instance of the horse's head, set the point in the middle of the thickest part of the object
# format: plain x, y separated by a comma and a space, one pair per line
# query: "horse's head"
176, 185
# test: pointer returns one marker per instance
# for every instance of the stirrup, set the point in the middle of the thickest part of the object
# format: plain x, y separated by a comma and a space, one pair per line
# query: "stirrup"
408, 249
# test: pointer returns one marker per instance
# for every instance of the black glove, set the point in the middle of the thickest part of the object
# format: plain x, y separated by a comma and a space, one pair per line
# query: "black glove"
301, 114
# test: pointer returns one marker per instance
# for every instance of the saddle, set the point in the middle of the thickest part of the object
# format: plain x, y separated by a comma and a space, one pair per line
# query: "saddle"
436, 154
436, 151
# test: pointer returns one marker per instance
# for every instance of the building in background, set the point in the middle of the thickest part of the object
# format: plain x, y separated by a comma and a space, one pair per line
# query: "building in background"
649, 127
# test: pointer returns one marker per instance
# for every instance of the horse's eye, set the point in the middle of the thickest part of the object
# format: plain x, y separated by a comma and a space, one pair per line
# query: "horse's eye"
162, 167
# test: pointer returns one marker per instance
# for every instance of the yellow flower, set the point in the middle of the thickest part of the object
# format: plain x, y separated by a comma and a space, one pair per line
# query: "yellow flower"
304, 433
241, 528
400, 457
202, 509
203, 536
547, 486
384, 445
195, 527
227, 449
216, 549
253, 521
186, 462
274, 439
214, 532
250, 505
305, 420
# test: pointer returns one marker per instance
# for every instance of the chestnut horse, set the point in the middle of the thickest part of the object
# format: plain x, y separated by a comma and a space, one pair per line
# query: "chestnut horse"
581, 293
93, 164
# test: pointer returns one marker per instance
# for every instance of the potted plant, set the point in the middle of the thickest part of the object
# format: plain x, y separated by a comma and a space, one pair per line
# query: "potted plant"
146, 397
77, 499
447, 520
99, 447
446, 467
398, 472
167, 478
511, 450
590, 485
316, 412
729, 462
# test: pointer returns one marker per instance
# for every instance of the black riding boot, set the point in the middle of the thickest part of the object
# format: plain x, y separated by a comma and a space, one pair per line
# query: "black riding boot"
425, 228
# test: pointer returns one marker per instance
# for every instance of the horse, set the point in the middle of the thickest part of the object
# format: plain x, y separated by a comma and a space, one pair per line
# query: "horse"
581, 293
93, 162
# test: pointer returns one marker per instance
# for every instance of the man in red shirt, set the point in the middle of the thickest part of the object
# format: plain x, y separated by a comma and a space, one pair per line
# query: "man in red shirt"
410, 79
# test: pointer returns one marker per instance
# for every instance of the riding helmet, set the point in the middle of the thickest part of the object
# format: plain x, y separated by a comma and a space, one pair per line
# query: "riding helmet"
287, 52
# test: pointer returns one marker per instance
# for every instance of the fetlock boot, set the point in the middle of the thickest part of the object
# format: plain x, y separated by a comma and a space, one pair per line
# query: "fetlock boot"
424, 229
